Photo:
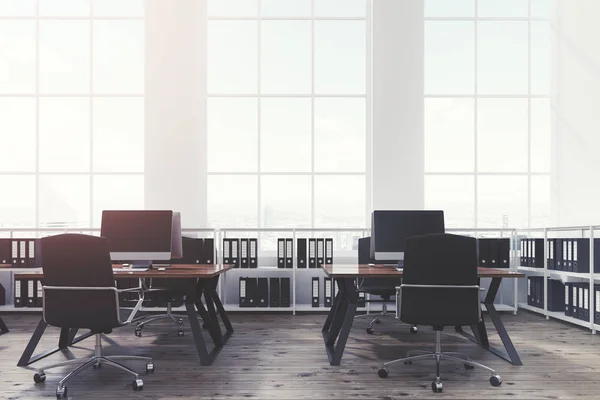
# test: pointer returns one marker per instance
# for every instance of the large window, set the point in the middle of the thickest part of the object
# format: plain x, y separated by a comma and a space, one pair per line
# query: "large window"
71, 110
287, 113
487, 111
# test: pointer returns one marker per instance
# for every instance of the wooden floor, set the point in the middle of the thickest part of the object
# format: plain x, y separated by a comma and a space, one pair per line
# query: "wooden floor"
279, 356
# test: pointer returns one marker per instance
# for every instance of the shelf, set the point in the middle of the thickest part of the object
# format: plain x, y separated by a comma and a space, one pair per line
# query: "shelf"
12, 308
558, 315
563, 275
236, 307
531, 269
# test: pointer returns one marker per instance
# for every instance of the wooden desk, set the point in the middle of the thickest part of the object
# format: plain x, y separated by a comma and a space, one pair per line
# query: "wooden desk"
341, 316
202, 281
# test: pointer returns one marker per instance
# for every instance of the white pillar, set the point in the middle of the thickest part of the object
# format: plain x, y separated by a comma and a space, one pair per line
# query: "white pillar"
576, 116
175, 109
397, 104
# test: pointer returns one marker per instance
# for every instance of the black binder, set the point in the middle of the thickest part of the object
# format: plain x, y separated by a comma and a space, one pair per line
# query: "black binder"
530, 291
20, 292
235, 252
280, 253
274, 292
574, 300
504, 253
558, 261
556, 295
565, 255
14, 252
208, 251
22, 253
522, 252
569, 257
244, 298
329, 251
31, 293
539, 296
320, 252
483, 252
569, 299
33, 253
581, 255
226, 251
327, 292
584, 302
597, 304
244, 254
315, 292
364, 248
285, 292
301, 250
262, 292
289, 253
39, 300
5, 253
253, 255
538, 254
550, 255
312, 253
493, 252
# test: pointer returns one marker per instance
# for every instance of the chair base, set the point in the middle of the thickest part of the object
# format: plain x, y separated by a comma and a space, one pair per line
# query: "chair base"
96, 361
437, 355
384, 313
176, 319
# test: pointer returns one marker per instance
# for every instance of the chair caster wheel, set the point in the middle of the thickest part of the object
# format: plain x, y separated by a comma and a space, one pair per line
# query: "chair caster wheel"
469, 366
97, 366
414, 329
180, 320
39, 378
496, 380
138, 385
407, 362
436, 387
383, 372
180, 333
370, 331
61, 392
378, 321
138, 332
150, 367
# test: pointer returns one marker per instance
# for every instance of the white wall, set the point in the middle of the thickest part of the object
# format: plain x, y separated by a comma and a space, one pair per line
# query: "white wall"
397, 104
175, 108
576, 114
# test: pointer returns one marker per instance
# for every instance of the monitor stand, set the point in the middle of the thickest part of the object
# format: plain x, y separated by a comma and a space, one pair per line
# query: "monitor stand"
142, 264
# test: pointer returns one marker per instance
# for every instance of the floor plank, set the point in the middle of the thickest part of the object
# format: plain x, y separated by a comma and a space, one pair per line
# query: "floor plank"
280, 356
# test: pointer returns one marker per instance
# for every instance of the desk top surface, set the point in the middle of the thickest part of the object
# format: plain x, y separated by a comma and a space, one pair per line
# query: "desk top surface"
172, 271
380, 271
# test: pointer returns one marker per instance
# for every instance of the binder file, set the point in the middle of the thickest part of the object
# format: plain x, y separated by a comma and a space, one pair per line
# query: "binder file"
483, 251
558, 263
504, 253
31, 292
5, 252
565, 254
14, 252
301, 253
581, 301
597, 304
493, 252
568, 299
581, 255
208, 251
327, 292
329, 251
574, 300
285, 292
320, 252
22, 253
280, 253
252, 291
262, 292
527, 253
575, 255
361, 301
550, 256
315, 292
530, 301
539, 297
19, 293
274, 292
252, 257
569, 257
244, 298
235, 252
312, 253
33, 254
556, 295
244, 253
39, 300
538, 259
226, 251
289, 253
522, 252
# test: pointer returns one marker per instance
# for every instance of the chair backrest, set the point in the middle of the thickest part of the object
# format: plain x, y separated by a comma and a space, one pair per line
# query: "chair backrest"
364, 248
79, 286
440, 285
385, 287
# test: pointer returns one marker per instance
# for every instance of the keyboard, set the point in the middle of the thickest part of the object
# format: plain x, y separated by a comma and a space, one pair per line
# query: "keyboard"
130, 269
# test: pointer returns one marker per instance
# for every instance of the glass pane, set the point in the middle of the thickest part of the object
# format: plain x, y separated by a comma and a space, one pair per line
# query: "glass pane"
64, 56
64, 8
286, 57
118, 134
232, 57
232, 8
340, 121
285, 201
64, 134
118, 8
503, 8
445, 8
340, 201
285, 137
502, 135
64, 201
540, 201
541, 58
18, 211
17, 8
541, 135
502, 57
455, 195
449, 52
117, 192
17, 135
340, 8
285, 8
232, 201
542, 8
118, 57
232, 135
449, 135
340, 57
17, 56
502, 201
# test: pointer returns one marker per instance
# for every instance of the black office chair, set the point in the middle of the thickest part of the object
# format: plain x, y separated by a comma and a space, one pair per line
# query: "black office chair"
440, 288
382, 287
79, 292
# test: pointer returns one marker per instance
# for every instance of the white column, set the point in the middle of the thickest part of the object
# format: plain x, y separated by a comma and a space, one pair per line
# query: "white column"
397, 99
175, 122
576, 114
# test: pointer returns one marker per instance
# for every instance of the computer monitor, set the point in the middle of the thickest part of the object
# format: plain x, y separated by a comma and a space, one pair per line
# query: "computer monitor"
390, 228
138, 236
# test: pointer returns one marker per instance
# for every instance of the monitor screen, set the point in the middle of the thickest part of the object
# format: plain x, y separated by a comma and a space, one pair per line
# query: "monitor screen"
390, 228
138, 234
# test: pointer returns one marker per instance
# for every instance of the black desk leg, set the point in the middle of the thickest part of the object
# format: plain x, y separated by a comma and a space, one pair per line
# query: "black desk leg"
3, 327
67, 338
480, 333
339, 320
